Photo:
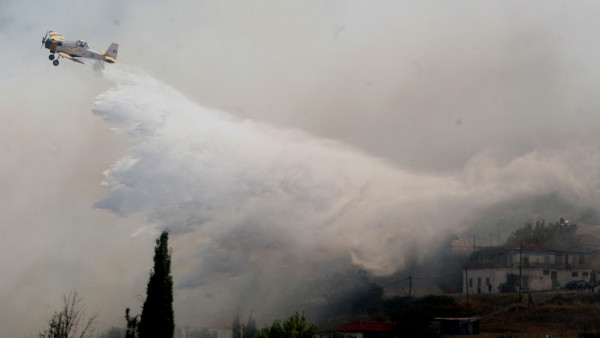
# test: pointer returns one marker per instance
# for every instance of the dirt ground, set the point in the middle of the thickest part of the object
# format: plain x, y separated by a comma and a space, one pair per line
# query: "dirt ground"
564, 314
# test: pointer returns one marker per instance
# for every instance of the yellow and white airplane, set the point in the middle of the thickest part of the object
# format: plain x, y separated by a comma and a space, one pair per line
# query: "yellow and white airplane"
57, 44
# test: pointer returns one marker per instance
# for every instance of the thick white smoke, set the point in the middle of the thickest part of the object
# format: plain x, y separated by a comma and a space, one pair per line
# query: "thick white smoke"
250, 187
248, 192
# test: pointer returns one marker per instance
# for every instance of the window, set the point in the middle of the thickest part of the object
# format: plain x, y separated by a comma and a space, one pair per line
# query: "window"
584, 273
546, 272
487, 280
478, 282
574, 274
581, 259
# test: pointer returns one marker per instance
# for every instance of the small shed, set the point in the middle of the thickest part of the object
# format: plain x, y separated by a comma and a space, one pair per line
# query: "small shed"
469, 325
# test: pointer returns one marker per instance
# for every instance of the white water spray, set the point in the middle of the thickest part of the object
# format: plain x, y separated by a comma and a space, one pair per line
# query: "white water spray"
250, 196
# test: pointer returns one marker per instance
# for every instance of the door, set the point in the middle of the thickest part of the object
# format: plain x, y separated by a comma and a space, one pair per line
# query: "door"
554, 277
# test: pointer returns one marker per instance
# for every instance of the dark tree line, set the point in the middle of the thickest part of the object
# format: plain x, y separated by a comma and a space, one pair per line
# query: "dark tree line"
294, 327
559, 235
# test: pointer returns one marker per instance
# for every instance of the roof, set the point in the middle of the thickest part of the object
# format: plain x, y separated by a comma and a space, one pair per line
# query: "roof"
531, 247
586, 239
583, 227
363, 326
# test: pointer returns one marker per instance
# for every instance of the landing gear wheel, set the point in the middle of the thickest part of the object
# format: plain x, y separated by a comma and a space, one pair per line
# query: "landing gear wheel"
51, 56
55, 62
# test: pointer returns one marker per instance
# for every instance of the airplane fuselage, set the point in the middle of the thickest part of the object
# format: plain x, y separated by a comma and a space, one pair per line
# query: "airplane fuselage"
76, 49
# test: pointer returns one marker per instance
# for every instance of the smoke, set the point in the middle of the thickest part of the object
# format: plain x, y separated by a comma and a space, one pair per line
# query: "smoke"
246, 200
347, 134
250, 186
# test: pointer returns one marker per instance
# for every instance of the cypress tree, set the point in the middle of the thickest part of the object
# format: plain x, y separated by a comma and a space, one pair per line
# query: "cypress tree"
157, 313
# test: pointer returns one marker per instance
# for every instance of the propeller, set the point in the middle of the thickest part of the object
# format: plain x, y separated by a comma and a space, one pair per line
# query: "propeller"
44, 40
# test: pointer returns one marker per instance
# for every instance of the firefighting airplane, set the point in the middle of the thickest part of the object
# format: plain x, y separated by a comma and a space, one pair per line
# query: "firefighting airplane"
56, 43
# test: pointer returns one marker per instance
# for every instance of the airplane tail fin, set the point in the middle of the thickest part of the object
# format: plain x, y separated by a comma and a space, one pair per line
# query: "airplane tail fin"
110, 55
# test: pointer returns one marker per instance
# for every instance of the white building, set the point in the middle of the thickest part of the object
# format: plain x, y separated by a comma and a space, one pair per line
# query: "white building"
497, 269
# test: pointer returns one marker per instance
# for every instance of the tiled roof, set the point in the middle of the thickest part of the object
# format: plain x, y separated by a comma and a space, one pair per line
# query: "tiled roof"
586, 239
531, 246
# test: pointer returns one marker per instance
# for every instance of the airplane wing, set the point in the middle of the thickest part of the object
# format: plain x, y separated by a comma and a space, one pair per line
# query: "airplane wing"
67, 56
56, 36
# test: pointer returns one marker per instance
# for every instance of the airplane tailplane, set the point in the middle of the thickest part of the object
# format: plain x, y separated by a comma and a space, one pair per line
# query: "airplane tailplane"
111, 53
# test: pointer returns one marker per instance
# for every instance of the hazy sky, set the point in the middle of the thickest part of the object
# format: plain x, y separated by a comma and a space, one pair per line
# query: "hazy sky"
274, 137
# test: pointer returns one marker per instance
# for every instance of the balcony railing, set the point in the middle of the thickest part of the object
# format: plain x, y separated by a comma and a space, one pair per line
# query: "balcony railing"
525, 265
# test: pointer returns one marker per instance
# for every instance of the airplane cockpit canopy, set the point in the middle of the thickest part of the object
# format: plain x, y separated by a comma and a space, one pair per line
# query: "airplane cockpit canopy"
81, 43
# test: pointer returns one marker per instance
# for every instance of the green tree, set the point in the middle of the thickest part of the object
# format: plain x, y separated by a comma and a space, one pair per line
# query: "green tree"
275, 331
294, 327
157, 312
559, 235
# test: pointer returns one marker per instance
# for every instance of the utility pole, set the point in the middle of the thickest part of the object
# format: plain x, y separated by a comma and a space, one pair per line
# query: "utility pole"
467, 283
520, 265
410, 286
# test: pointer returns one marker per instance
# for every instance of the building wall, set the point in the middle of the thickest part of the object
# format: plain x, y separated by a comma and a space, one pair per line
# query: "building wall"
533, 279
477, 281
534, 259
